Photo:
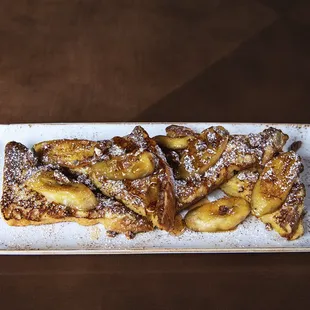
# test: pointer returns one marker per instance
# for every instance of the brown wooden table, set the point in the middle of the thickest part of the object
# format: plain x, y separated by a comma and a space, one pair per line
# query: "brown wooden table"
156, 282
159, 60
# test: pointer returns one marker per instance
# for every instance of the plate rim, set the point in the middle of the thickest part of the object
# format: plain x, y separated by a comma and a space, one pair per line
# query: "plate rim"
154, 123
158, 251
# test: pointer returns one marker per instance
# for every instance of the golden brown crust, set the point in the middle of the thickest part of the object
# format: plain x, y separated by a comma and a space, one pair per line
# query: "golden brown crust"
112, 220
118, 225
50, 220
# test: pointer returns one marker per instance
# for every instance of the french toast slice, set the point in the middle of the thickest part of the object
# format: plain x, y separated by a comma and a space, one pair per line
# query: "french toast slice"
240, 152
37, 195
131, 169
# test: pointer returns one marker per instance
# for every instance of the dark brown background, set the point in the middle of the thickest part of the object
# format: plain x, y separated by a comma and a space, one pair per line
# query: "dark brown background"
160, 60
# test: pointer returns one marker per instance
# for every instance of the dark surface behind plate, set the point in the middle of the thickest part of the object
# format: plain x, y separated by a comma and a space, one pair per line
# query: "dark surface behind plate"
74, 61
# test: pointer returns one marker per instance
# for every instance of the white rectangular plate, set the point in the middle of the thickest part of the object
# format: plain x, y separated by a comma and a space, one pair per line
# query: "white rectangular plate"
70, 238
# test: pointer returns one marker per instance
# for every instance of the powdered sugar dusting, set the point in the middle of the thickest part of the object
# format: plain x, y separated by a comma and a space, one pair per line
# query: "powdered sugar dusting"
248, 175
116, 150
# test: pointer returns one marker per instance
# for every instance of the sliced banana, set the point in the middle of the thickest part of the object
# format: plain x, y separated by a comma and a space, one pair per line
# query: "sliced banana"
74, 195
200, 203
67, 153
123, 167
275, 183
177, 143
241, 185
220, 215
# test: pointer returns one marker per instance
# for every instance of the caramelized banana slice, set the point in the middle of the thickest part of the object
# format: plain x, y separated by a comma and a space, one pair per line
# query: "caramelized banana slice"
125, 167
200, 203
287, 221
275, 183
203, 153
55, 187
241, 185
68, 153
173, 143
220, 215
